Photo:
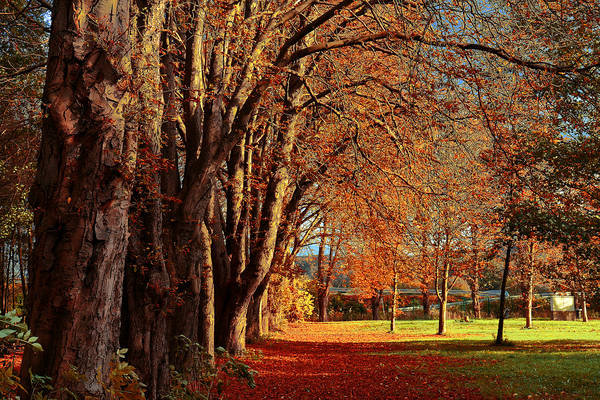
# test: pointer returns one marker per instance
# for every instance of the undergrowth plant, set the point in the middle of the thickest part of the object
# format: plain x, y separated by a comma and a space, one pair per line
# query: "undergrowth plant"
205, 377
14, 334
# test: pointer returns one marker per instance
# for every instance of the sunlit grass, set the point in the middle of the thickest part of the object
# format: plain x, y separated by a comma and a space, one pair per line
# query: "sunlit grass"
486, 329
556, 359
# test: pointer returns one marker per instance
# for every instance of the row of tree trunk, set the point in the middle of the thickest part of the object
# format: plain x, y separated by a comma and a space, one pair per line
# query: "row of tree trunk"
158, 218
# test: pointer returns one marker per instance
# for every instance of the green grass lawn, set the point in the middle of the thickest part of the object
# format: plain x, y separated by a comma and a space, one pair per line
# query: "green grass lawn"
556, 359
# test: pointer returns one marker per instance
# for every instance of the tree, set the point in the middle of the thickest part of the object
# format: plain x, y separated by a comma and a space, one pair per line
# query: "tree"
23, 32
246, 85
327, 265
146, 285
81, 195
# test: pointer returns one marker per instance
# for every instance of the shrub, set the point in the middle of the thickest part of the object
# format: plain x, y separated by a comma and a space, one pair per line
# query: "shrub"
13, 336
289, 299
205, 378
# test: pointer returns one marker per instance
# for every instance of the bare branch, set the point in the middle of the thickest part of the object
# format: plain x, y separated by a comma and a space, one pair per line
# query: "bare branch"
23, 71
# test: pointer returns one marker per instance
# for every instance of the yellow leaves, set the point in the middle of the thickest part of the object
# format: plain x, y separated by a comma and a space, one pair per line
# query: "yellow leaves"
124, 383
9, 382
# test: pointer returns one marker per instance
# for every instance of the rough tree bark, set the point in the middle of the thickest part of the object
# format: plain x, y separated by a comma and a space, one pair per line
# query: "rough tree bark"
206, 317
257, 325
192, 245
146, 289
81, 196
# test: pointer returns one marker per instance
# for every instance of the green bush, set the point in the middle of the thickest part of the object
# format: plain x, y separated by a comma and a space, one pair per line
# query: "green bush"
14, 334
205, 378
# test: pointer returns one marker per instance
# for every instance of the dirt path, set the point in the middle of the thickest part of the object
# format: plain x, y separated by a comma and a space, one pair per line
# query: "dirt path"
327, 361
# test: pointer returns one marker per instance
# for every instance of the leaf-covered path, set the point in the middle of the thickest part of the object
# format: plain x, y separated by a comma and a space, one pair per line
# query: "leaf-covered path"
329, 361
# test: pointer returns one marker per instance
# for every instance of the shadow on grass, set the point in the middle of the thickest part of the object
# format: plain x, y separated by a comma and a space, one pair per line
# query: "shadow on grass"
565, 369
458, 347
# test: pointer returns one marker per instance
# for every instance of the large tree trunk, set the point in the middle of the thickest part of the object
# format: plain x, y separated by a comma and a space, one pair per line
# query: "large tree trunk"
146, 297
240, 291
195, 318
146, 290
257, 327
81, 196
499, 336
144, 330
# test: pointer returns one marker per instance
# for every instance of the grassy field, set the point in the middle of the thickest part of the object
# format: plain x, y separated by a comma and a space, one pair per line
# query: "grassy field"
554, 360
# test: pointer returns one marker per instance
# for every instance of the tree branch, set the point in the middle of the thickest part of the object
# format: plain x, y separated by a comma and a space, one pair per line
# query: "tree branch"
501, 53
23, 71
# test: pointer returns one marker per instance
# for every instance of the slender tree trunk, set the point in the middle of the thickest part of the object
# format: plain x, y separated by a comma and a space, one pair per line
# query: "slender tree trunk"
443, 297
265, 313
375, 304
81, 196
499, 336
442, 317
244, 284
426, 303
22, 271
531, 266
206, 321
529, 311
476, 301
4, 266
584, 312
323, 305
394, 303
322, 289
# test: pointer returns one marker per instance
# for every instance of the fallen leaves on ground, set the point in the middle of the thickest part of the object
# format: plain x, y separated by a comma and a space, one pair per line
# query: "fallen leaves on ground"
326, 361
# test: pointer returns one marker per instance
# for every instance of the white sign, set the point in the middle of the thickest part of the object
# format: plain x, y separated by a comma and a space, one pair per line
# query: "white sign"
562, 303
